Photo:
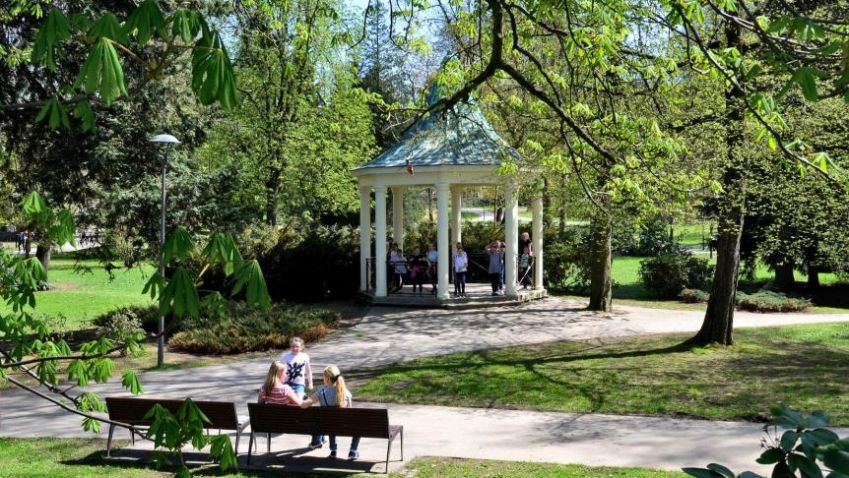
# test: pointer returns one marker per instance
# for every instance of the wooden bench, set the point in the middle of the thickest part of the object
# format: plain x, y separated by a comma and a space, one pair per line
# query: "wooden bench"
348, 422
129, 410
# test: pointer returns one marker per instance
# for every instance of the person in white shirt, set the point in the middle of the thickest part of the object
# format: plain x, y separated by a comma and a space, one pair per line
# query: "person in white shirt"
298, 369
461, 266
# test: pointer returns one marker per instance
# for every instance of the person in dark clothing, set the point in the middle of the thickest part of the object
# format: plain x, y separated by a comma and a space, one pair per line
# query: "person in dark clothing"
496, 259
417, 269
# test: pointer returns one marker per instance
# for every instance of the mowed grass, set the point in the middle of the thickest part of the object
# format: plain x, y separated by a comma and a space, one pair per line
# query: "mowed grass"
801, 366
629, 290
80, 295
77, 458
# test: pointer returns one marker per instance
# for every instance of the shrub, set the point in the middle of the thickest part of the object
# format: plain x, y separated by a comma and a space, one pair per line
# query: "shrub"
666, 276
123, 321
768, 301
694, 296
243, 328
650, 239
567, 260
307, 262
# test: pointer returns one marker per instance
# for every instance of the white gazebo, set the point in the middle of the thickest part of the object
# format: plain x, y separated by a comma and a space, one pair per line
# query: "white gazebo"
449, 152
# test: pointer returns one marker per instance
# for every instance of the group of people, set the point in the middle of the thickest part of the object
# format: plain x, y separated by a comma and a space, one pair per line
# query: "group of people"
21, 239
290, 378
418, 266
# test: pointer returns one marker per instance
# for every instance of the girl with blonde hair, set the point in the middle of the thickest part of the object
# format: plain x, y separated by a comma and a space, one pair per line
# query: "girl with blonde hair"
334, 393
274, 390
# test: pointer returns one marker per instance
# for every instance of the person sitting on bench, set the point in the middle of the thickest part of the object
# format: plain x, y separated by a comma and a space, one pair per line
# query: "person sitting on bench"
275, 390
334, 393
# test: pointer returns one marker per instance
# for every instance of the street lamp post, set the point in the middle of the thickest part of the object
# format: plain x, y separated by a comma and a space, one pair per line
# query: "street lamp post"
162, 139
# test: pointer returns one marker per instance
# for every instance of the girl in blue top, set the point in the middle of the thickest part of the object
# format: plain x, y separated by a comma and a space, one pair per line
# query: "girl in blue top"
334, 393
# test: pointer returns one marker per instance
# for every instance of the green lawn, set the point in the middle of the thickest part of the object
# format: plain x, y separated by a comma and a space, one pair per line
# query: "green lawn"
81, 296
693, 234
802, 366
628, 289
78, 458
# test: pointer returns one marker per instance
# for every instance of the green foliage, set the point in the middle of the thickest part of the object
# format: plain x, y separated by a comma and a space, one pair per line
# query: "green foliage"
103, 71
305, 262
805, 449
694, 296
769, 301
240, 328
125, 321
173, 431
567, 262
667, 275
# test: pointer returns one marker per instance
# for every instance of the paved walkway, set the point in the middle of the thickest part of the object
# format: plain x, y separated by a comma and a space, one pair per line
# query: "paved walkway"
386, 336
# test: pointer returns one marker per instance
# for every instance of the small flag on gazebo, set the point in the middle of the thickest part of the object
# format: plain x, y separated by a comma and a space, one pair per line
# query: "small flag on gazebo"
409, 167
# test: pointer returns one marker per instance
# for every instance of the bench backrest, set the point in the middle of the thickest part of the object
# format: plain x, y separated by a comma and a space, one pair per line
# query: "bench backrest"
132, 411
362, 422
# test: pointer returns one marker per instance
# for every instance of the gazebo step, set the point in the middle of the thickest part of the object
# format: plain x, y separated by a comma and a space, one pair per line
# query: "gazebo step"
477, 296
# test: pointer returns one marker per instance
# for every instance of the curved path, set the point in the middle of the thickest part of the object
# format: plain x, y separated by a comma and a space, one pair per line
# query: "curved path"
390, 335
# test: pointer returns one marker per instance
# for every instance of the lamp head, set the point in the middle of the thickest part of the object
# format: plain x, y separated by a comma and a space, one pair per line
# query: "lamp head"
164, 138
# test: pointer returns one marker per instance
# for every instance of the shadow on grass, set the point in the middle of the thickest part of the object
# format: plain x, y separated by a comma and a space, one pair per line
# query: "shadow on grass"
741, 382
474, 362
301, 467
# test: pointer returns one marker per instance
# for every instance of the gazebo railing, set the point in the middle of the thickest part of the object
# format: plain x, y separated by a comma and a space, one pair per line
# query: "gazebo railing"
478, 271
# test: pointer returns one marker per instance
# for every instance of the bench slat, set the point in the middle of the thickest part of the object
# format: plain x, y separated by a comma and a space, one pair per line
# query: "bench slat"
362, 422
130, 410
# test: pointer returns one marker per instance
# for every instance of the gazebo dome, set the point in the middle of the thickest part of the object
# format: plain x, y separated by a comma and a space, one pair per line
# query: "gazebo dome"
461, 136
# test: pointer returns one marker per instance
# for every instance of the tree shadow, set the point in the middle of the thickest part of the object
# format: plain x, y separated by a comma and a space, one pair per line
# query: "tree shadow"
264, 466
476, 361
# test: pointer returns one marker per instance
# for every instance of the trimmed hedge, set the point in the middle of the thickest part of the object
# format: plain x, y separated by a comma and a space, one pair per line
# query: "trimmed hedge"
242, 328
694, 296
768, 301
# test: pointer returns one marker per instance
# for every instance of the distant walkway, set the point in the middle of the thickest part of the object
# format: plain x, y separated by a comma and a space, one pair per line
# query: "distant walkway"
389, 335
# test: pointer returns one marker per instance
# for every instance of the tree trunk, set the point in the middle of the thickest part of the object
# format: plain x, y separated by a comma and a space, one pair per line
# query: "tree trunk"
272, 198
719, 317
813, 277
42, 253
601, 290
784, 278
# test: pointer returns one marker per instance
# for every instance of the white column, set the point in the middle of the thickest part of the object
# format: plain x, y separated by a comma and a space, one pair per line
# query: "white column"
380, 241
442, 245
365, 235
511, 231
537, 240
456, 214
398, 215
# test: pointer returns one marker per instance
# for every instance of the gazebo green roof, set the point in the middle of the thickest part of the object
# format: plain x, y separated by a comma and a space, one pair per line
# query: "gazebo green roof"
459, 137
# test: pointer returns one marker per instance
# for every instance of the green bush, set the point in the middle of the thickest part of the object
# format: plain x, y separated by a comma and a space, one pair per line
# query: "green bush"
769, 301
667, 275
123, 321
567, 259
240, 328
306, 262
650, 239
694, 296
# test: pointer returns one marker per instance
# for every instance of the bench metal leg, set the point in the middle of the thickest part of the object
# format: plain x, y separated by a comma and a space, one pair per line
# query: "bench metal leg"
388, 449
250, 447
269, 442
402, 444
109, 440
